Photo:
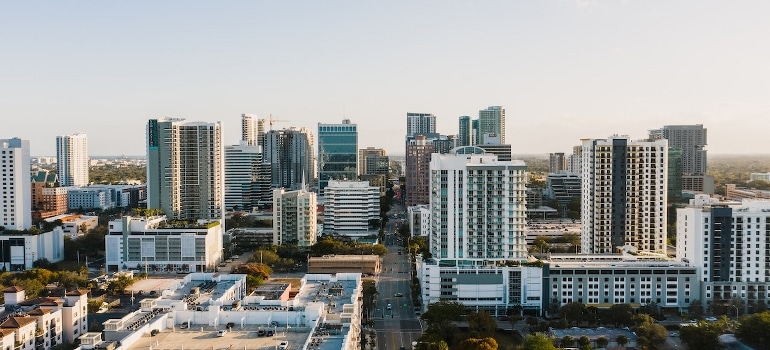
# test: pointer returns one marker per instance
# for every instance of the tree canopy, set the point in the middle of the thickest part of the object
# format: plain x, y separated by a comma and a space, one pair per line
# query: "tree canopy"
538, 341
755, 330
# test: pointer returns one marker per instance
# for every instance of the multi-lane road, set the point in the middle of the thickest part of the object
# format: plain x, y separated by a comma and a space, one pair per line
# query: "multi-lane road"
396, 326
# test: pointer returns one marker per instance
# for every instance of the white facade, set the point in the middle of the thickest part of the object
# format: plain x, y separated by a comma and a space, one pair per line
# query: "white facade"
477, 206
759, 176
624, 189
349, 206
16, 208
89, 198
242, 162
72, 159
154, 243
20, 251
294, 217
730, 244
492, 121
419, 220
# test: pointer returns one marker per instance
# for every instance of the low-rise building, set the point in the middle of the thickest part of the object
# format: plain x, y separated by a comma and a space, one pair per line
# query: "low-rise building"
418, 217
350, 207
75, 225
20, 249
366, 264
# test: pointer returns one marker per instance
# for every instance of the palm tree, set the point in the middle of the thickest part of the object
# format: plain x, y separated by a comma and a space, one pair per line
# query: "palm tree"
602, 342
622, 340
567, 341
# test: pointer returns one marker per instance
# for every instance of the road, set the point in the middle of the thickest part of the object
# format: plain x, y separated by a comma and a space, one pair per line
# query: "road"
397, 327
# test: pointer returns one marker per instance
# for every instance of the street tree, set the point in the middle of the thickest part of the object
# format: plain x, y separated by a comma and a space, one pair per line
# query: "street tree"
573, 312
481, 324
703, 335
538, 341
620, 315
755, 330
488, 343
650, 333
695, 310
622, 340
602, 342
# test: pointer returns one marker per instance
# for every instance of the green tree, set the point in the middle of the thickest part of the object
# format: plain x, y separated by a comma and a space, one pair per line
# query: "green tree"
602, 342
567, 341
695, 310
650, 333
481, 324
619, 315
622, 340
755, 330
573, 312
443, 311
703, 335
538, 341
584, 342
488, 343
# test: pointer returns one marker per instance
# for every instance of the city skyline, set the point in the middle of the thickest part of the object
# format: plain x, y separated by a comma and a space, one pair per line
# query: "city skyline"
563, 70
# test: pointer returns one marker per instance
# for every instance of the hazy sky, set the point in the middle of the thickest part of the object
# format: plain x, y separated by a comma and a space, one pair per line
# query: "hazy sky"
562, 69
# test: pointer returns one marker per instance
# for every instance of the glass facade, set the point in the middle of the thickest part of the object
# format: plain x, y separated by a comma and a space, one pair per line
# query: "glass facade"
337, 153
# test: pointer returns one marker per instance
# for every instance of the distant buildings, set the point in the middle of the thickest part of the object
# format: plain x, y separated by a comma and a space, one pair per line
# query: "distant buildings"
491, 121
563, 187
72, 159
290, 153
160, 244
624, 194
294, 217
247, 179
373, 161
692, 141
337, 153
16, 209
556, 162
350, 207
465, 133
252, 130
759, 176
733, 192
418, 155
420, 124
418, 217
185, 169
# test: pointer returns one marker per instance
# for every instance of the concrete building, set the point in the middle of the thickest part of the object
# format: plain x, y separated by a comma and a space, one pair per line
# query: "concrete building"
75, 225
337, 153
575, 160
733, 192
16, 209
252, 236
418, 155
477, 207
20, 249
563, 187
503, 152
185, 169
86, 198
420, 124
759, 176
243, 166
325, 314
728, 242
40, 180
54, 202
291, 157
373, 161
72, 159
624, 189
556, 162
418, 217
294, 217
350, 207
492, 121
363, 264
253, 130
158, 244
692, 141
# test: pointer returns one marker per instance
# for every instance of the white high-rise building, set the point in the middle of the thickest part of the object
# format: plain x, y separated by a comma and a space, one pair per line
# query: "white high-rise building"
72, 159
477, 206
294, 217
242, 173
492, 123
624, 189
16, 209
728, 242
185, 169
420, 124
252, 130
350, 207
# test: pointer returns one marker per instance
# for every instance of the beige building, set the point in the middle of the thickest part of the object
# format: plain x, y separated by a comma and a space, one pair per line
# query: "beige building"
366, 264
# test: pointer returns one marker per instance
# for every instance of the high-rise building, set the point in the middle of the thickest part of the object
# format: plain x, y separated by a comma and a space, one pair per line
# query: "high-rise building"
492, 121
624, 188
351, 207
290, 155
477, 206
727, 242
337, 153
185, 169
294, 217
16, 209
575, 160
692, 140
72, 159
555, 162
465, 133
420, 124
373, 161
475, 133
242, 186
252, 130
418, 153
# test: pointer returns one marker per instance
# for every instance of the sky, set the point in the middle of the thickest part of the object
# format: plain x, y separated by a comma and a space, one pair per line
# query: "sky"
563, 70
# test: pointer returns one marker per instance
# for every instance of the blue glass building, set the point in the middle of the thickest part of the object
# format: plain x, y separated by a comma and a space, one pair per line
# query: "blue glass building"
337, 153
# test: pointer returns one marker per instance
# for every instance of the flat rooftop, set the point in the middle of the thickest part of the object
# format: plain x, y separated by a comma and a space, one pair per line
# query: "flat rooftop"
205, 338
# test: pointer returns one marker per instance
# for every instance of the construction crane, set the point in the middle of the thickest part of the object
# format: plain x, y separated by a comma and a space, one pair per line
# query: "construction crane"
275, 120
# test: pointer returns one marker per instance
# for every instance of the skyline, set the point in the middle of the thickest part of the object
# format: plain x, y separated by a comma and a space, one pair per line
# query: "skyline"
563, 70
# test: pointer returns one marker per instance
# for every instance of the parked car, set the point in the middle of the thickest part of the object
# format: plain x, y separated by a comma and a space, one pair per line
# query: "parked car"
711, 319
389, 307
221, 332
398, 294
270, 333
184, 325
261, 333
154, 332
284, 345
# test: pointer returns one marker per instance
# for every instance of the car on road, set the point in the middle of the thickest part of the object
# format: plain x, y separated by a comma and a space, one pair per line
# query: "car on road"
261, 333
389, 307
398, 294
221, 332
270, 333
711, 319
283, 345
184, 325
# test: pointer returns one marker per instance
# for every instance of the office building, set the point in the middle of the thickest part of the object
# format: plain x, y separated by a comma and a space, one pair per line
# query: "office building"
337, 153
692, 140
185, 169
733, 192
492, 121
465, 133
16, 209
20, 249
556, 162
563, 187
418, 155
420, 124
87, 198
253, 130
477, 207
72, 159
290, 155
158, 244
243, 190
351, 207
624, 188
503, 152
294, 217
728, 242
373, 161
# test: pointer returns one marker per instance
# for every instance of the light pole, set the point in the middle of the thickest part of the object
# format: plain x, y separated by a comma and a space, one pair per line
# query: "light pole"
736, 312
